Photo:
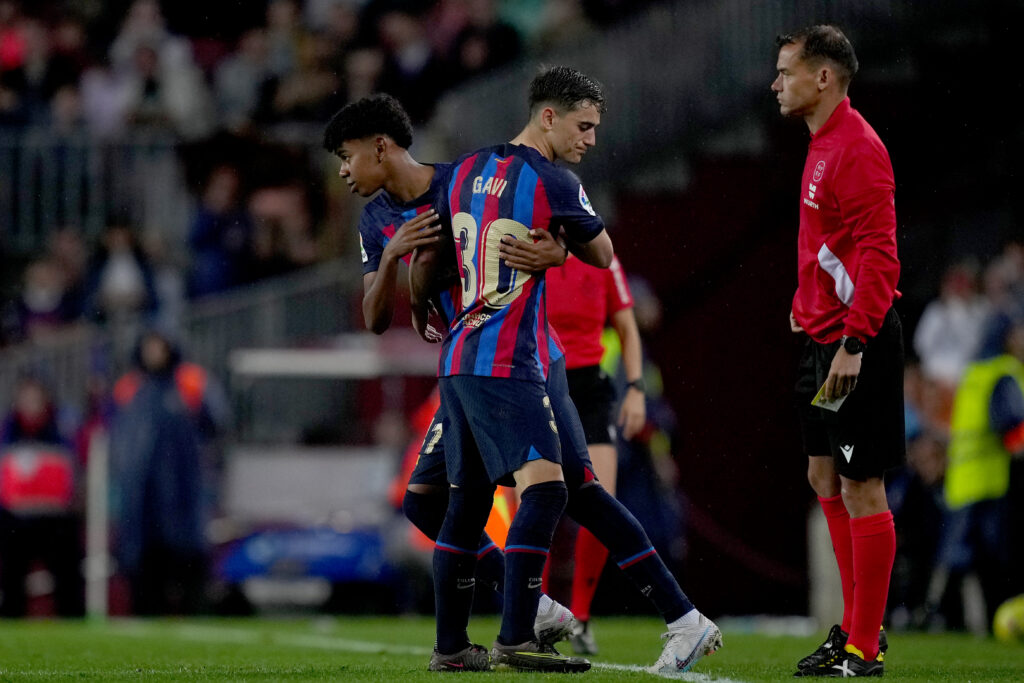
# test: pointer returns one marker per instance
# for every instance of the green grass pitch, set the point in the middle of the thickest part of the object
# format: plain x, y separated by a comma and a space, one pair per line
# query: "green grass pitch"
389, 649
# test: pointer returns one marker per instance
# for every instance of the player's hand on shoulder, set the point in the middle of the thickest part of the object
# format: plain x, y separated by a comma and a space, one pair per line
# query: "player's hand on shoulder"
544, 252
422, 230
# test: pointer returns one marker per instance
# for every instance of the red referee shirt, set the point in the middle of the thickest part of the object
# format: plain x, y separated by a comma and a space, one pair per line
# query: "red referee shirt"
848, 268
581, 299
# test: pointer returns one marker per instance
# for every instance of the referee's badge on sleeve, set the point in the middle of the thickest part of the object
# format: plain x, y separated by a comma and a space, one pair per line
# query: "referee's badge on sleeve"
585, 202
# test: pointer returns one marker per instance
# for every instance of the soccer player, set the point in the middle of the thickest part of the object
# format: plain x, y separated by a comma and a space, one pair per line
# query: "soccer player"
581, 300
371, 137
508, 417
847, 277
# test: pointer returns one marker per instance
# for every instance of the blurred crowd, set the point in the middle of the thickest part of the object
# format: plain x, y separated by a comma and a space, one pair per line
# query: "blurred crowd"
217, 77
959, 501
193, 68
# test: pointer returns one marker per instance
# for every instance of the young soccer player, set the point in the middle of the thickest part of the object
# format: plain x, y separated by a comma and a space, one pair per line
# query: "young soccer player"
371, 137
507, 418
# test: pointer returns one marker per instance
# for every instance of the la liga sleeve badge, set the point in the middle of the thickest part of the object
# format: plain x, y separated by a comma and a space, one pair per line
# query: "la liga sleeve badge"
585, 202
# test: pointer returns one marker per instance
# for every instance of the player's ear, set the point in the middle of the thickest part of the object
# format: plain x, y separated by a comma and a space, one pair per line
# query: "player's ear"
825, 76
380, 145
547, 118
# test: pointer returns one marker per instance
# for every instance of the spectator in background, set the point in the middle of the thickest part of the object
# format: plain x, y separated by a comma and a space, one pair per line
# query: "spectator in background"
40, 73
165, 89
144, 25
119, 284
485, 43
39, 517
67, 249
104, 101
285, 34
221, 235
363, 70
309, 91
949, 332
987, 429
161, 443
412, 72
242, 80
42, 307
282, 231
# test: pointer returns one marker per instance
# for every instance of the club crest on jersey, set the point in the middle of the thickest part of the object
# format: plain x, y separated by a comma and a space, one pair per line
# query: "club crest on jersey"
362, 250
819, 171
493, 186
585, 202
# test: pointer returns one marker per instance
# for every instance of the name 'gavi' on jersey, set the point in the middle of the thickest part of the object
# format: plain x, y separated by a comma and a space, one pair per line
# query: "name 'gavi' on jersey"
500, 326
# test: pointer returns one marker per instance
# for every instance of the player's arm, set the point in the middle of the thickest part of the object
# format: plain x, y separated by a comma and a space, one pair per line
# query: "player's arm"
597, 251
423, 284
546, 251
865, 195
379, 286
633, 412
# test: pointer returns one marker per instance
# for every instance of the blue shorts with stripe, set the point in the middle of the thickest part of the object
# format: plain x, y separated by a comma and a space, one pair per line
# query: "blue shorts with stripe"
493, 426
430, 466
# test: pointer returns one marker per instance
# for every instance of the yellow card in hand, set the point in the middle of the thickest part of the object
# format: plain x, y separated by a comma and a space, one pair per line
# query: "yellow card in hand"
822, 402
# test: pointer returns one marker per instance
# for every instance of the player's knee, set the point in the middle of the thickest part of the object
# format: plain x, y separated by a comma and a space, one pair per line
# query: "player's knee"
863, 498
537, 471
821, 475
426, 510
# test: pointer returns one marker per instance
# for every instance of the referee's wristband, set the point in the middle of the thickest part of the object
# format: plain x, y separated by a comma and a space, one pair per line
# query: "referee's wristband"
637, 384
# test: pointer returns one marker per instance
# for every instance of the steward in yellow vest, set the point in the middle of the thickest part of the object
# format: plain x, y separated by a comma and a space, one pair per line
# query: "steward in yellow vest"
986, 430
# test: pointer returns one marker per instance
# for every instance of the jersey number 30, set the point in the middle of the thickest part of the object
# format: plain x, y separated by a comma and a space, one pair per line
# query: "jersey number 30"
496, 284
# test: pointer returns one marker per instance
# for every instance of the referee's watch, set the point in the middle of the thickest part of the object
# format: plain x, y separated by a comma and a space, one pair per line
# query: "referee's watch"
853, 345
637, 384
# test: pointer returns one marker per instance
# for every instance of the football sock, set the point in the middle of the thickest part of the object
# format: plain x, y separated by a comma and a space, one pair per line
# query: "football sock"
838, 520
590, 559
455, 558
619, 531
490, 565
688, 619
427, 510
874, 548
526, 551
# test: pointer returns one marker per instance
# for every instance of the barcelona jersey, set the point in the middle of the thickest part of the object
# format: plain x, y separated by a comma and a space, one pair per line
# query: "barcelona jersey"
384, 215
500, 326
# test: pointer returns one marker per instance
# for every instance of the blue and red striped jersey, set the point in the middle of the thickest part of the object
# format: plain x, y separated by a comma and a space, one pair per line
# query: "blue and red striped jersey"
383, 216
500, 327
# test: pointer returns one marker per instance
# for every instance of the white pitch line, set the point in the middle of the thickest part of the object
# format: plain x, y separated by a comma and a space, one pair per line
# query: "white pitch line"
224, 634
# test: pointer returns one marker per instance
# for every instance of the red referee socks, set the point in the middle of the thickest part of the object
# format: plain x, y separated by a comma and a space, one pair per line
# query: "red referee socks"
839, 529
874, 548
590, 559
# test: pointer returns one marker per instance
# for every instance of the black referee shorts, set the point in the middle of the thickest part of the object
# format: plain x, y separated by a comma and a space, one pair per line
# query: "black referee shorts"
866, 436
592, 392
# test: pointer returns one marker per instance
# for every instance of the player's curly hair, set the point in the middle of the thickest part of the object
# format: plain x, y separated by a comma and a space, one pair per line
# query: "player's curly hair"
379, 114
566, 88
824, 42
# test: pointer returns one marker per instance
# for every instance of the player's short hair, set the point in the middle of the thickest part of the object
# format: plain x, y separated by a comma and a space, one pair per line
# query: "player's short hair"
379, 114
824, 42
566, 88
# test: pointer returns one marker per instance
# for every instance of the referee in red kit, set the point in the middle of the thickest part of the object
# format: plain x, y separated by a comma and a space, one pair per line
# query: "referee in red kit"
848, 270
